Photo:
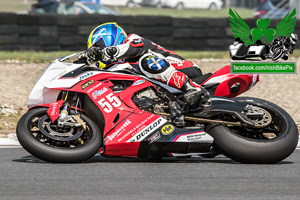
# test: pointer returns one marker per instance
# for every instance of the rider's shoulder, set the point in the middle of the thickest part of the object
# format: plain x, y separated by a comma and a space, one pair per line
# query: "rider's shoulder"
132, 37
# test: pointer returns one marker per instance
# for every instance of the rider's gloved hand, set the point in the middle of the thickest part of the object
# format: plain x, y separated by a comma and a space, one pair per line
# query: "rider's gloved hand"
94, 54
110, 53
81, 59
196, 97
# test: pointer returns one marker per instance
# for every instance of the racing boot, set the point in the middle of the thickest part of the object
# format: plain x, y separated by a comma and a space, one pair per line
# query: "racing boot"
195, 95
176, 114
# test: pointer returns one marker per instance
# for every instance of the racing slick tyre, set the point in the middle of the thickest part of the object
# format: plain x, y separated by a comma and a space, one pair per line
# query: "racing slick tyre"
44, 139
267, 145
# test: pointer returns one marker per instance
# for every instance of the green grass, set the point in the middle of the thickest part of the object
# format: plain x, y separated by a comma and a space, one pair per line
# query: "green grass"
186, 13
217, 54
203, 54
44, 57
18, 6
31, 56
14, 5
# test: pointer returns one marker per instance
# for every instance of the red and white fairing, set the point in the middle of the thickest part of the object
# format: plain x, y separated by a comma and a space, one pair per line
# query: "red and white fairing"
224, 80
128, 131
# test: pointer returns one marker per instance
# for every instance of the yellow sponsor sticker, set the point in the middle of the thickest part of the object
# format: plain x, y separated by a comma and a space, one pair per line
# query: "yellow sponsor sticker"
167, 129
87, 84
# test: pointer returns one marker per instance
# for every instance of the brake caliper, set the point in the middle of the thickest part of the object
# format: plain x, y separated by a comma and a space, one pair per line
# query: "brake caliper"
78, 119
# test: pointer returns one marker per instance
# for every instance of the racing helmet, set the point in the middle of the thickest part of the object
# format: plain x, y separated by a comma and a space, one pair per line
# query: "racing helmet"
293, 38
106, 35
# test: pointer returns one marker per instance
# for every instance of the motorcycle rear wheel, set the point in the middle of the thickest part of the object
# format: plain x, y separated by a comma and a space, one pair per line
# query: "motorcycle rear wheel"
57, 149
248, 145
277, 54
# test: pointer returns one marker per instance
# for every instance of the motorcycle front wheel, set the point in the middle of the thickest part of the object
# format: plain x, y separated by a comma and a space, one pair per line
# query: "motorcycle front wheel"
266, 145
47, 141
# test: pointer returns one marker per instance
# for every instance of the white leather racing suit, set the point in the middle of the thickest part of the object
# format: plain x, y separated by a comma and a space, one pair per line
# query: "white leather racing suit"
173, 70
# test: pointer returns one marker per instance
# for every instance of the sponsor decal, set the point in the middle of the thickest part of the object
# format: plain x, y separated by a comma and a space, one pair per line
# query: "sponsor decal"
107, 103
254, 80
177, 62
154, 138
98, 93
87, 84
192, 137
138, 82
168, 129
94, 87
137, 43
149, 57
85, 76
178, 80
119, 130
132, 132
53, 110
146, 131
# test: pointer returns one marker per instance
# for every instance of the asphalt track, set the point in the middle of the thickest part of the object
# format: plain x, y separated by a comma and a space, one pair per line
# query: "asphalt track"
26, 177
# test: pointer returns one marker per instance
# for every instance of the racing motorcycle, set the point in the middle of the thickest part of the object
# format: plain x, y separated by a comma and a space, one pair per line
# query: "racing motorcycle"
76, 110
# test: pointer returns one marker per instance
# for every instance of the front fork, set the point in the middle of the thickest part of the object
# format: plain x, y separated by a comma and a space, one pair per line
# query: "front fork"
64, 119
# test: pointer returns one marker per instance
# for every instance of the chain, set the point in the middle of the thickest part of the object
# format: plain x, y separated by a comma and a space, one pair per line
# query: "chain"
264, 122
214, 121
206, 120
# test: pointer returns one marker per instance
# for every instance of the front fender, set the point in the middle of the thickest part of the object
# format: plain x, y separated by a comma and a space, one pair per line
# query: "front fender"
54, 109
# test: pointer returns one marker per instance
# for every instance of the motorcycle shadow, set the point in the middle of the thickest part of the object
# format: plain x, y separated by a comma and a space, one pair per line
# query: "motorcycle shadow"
100, 159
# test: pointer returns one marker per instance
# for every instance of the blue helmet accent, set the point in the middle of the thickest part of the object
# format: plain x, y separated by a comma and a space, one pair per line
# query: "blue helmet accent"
106, 35
156, 63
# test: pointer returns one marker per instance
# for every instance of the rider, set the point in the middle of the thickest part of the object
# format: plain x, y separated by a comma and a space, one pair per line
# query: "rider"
109, 42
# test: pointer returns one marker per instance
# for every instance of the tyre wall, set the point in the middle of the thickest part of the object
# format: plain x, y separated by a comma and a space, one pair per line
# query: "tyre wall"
61, 32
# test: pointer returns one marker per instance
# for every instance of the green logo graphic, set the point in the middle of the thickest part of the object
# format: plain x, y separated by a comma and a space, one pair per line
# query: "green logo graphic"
249, 36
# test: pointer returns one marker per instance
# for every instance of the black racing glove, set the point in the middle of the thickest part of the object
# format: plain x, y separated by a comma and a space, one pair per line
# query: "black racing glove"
94, 54
81, 59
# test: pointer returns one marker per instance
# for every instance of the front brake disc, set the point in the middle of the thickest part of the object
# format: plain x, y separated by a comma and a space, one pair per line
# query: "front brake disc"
45, 128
